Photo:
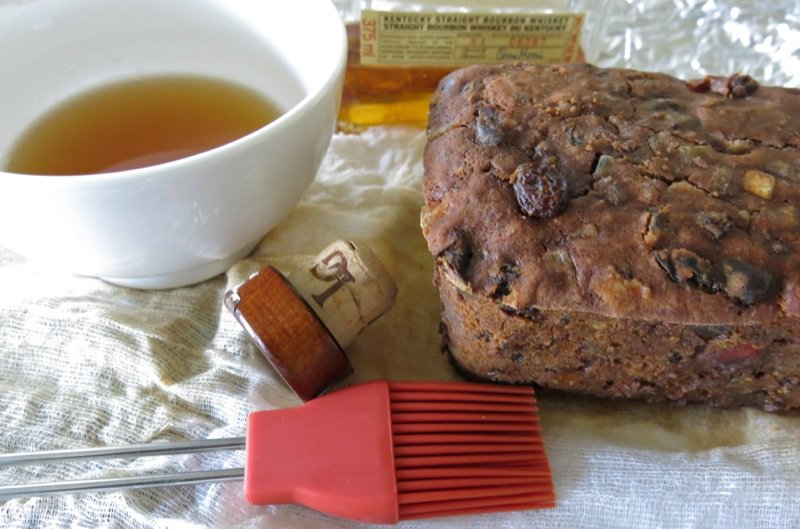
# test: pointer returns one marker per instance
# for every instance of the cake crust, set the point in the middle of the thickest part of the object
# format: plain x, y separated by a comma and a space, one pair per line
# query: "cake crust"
618, 233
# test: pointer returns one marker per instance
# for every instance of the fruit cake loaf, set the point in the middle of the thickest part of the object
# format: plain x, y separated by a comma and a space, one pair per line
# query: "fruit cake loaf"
618, 233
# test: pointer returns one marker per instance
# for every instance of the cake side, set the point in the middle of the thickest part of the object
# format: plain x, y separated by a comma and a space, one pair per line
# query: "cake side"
721, 365
618, 233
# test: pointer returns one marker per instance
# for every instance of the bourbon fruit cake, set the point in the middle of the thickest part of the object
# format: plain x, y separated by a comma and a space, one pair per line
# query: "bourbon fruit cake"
618, 233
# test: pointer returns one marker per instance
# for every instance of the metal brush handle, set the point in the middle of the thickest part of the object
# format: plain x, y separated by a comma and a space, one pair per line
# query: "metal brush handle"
128, 482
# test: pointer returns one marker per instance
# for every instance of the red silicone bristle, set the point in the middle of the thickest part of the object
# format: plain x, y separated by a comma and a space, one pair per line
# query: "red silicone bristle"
403, 390
467, 448
412, 474
465, 437
467, 459
427, 428
413, 485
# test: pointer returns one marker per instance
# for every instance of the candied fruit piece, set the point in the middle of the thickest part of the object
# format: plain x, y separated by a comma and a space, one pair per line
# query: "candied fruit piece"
759, 183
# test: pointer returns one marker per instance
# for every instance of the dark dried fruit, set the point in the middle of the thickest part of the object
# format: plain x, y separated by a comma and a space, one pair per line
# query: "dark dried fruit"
541, 191
745, 283
489, 126
715, 223
742, 85
686, 267
674, 357
459, 255
734, 86
711, 332
530, 313
740, 281
508, 273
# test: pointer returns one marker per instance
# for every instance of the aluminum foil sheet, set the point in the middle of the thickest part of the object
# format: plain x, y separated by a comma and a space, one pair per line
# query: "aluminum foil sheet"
693, 38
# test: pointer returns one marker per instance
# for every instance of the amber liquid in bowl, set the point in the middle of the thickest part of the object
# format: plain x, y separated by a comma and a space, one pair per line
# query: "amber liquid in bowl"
138, 123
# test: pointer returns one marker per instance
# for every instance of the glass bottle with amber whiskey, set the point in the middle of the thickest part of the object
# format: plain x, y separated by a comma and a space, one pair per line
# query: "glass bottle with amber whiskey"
398, 51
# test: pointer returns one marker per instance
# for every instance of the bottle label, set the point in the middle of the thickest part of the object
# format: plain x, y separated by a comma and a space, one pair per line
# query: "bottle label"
413, 38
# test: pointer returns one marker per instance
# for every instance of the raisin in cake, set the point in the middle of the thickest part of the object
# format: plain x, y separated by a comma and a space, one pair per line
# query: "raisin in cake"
618, 233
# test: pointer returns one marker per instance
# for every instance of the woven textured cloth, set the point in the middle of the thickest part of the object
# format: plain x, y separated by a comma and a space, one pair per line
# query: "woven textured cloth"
86, 363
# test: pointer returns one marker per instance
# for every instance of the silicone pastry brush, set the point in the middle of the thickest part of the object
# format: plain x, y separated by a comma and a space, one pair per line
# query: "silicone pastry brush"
378, 452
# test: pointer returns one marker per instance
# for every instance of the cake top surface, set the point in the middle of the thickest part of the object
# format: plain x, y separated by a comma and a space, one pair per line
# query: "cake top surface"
618, 192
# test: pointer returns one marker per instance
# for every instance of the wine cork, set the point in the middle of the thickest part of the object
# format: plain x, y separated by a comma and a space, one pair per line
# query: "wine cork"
348, 288
302, 323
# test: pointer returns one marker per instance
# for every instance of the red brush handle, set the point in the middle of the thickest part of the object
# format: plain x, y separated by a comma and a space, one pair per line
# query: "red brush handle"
333, 454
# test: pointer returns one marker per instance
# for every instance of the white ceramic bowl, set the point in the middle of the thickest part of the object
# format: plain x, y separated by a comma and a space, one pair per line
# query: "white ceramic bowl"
184, 221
